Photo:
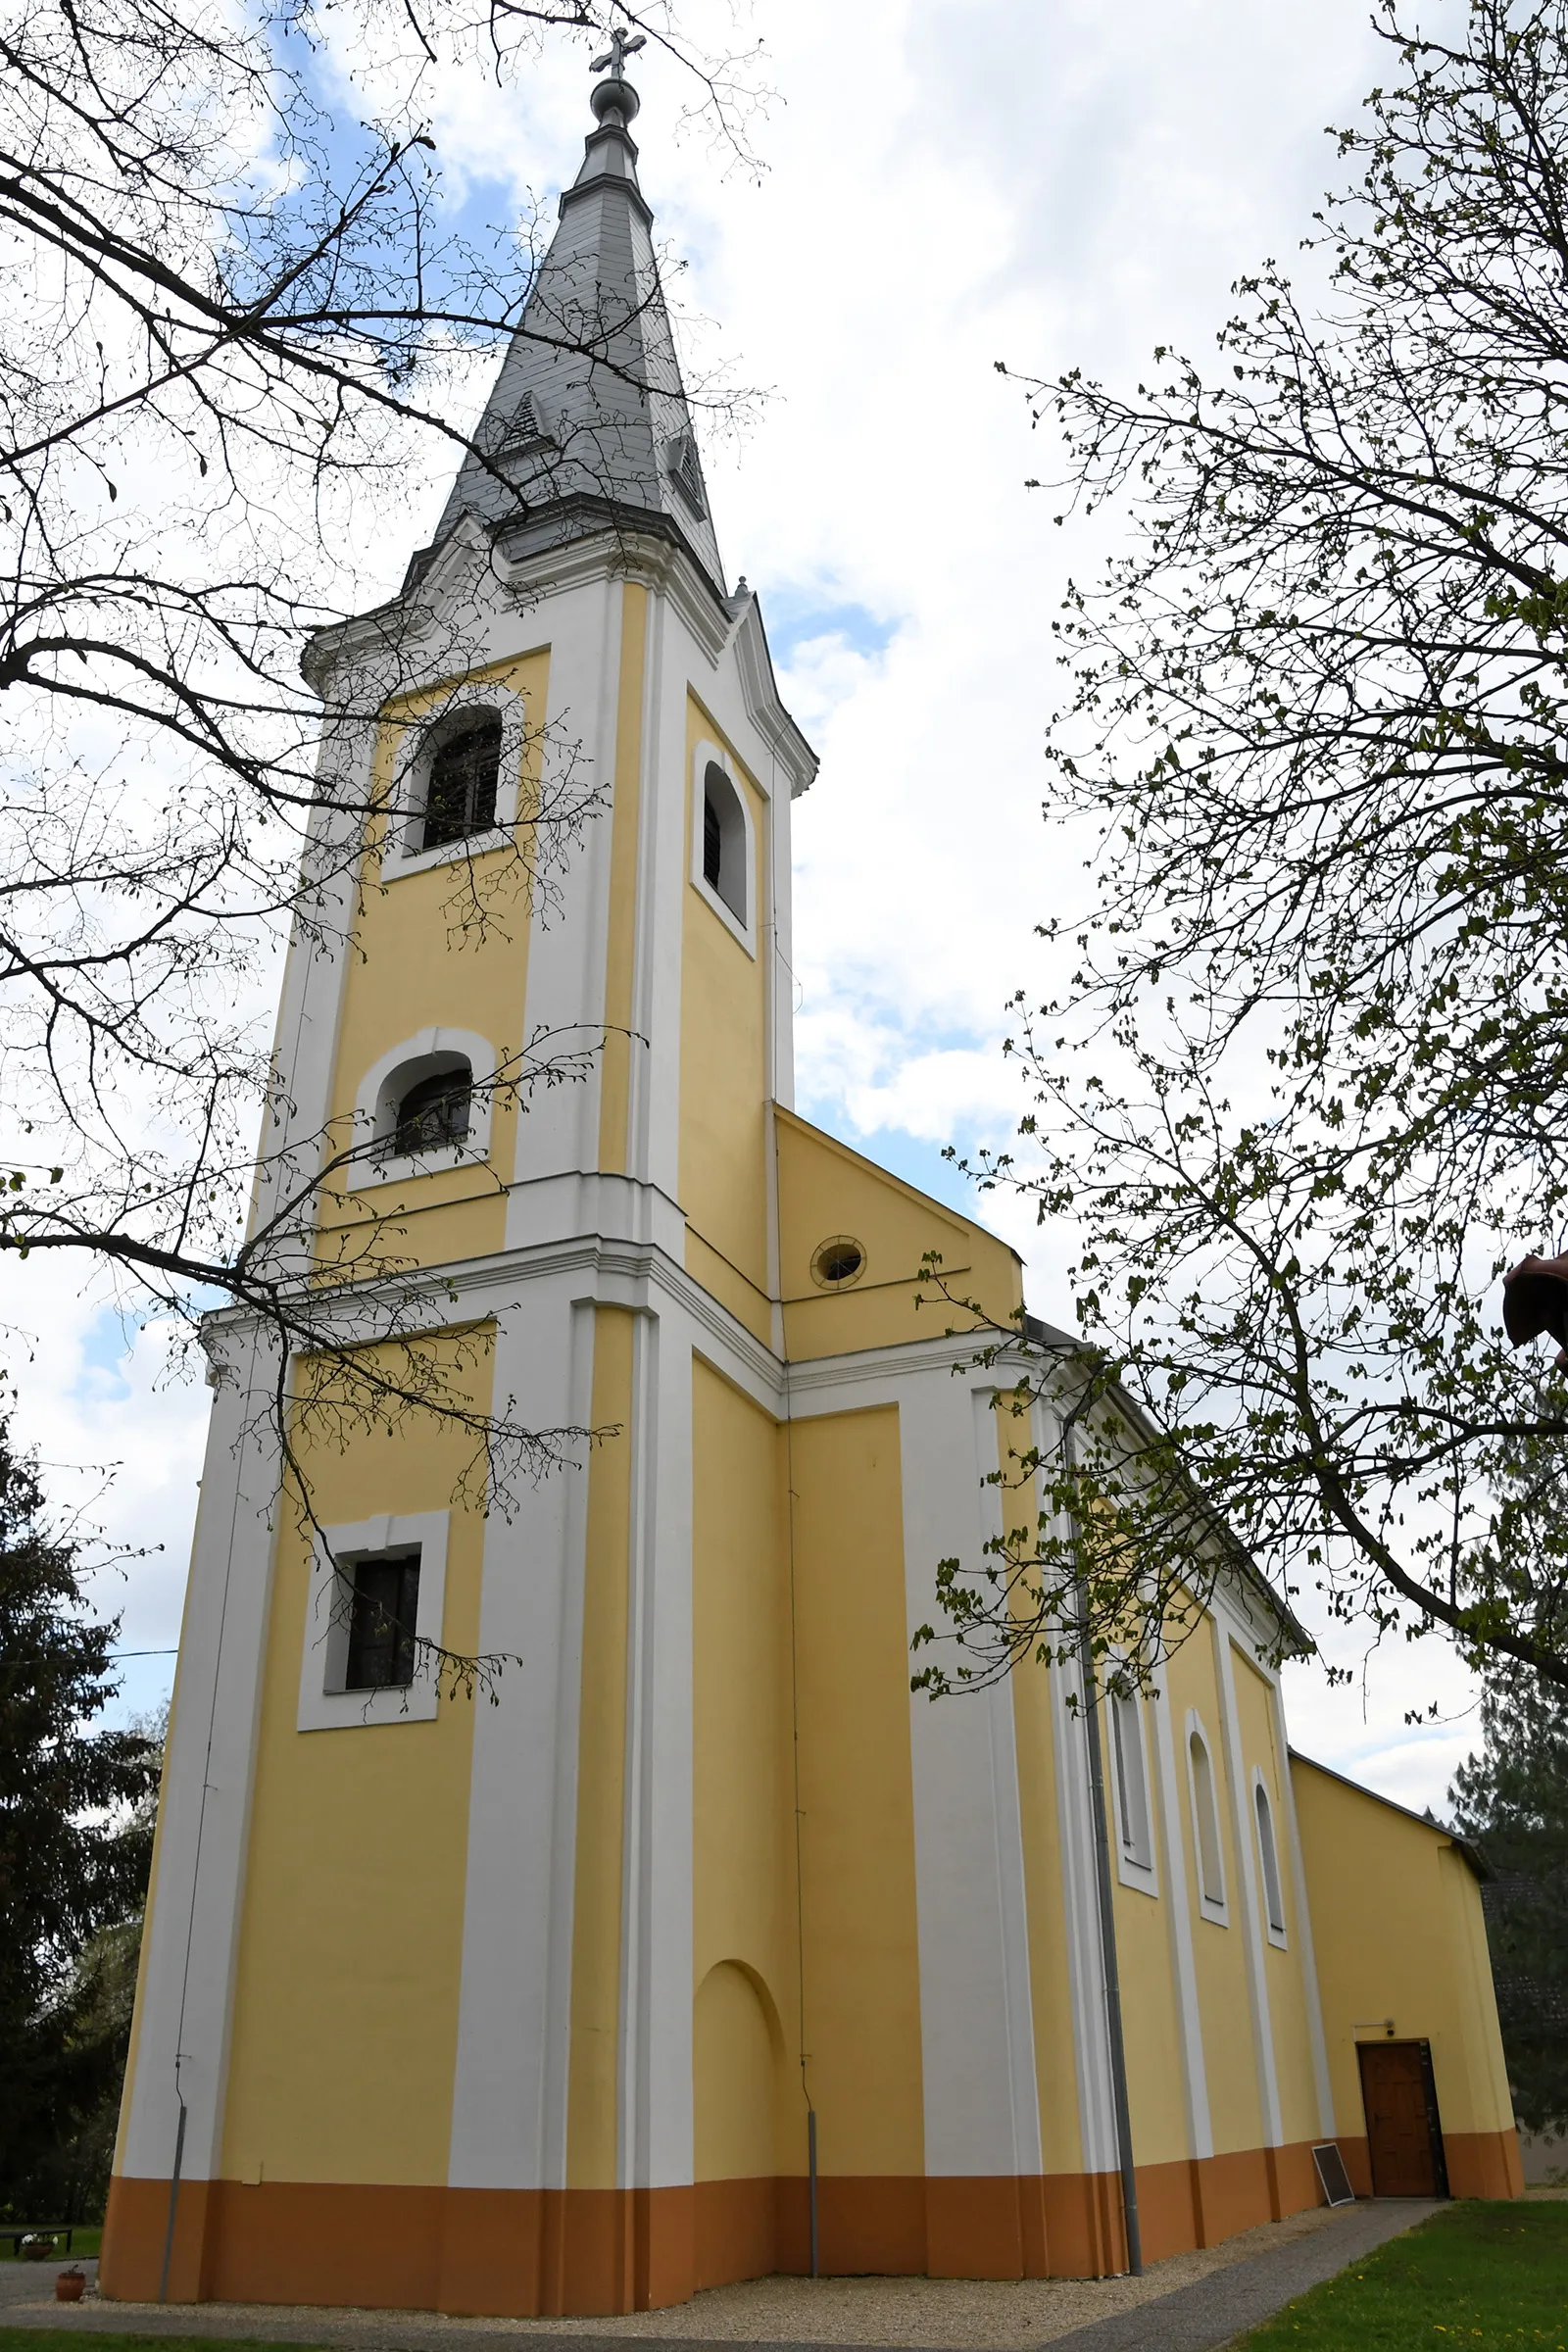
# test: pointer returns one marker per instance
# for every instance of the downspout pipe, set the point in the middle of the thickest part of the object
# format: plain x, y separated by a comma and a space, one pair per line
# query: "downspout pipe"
1115, 2045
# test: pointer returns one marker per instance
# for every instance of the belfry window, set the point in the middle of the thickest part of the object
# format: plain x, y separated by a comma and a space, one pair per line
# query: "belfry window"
433, 1115
383, 1610
725, 838
460, 797
1268, 1855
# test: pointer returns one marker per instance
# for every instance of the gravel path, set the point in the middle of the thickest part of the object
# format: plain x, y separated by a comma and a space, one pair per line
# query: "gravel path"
1202, 2299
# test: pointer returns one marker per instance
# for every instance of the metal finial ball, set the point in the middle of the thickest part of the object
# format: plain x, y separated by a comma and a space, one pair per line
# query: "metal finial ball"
614, 97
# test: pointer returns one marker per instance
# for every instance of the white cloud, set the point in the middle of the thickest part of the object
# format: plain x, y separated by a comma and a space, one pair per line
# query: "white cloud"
952, 183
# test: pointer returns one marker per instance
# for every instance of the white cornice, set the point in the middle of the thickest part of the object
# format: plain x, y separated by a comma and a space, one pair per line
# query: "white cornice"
763, 707
404, 621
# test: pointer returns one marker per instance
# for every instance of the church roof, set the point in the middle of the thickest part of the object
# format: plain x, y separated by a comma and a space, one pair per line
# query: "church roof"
588, 420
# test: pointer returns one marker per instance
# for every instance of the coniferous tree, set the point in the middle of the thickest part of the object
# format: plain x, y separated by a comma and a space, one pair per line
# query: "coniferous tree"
1512, 1799
74, 1844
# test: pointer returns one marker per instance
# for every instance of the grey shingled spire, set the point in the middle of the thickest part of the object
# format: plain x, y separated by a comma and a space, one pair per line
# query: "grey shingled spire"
588, 418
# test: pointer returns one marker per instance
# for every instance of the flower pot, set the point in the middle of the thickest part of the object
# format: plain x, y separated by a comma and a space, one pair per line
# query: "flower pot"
69, 2285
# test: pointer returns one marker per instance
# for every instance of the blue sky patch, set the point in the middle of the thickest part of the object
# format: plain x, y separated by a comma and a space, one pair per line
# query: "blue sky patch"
794, 617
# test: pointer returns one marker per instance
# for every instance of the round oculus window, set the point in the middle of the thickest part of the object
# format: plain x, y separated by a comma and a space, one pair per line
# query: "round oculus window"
838, 1262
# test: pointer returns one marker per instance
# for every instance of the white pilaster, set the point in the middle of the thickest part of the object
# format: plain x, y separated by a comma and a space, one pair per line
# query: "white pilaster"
509, 2107
982, 2115
656, 2130
1173, 1812
559, 1129
1268, 2089
1321, 2083
193, 1934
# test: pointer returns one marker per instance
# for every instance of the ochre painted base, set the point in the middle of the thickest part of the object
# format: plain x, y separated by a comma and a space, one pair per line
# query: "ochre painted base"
1481, 2163
530, 2253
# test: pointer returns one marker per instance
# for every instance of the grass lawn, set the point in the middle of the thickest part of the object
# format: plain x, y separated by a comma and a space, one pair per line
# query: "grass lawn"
1474, 2276
82, 2241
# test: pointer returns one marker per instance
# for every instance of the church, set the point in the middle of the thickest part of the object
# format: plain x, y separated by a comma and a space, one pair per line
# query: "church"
709, 1950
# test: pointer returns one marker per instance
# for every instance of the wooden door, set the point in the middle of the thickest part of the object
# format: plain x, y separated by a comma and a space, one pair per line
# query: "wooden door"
1401, 2120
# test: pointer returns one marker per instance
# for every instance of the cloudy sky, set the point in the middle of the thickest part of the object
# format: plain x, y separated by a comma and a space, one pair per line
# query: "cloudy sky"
947, 184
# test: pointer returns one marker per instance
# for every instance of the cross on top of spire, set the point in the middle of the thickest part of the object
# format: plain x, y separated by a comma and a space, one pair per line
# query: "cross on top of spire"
620, 48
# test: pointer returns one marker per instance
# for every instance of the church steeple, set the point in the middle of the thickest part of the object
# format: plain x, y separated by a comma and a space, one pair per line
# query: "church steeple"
588, 420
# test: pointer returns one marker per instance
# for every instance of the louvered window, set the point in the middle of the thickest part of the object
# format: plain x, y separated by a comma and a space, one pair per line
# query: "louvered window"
524, 425
687, 475
382, 1622
460, 796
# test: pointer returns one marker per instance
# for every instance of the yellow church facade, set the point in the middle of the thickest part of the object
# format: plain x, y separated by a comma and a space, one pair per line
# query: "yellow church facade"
708, 1950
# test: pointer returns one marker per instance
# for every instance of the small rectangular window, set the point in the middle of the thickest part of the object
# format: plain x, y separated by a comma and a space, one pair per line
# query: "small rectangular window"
383, 1614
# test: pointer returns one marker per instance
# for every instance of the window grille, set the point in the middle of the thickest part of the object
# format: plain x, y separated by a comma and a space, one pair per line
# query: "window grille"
461, 797
382, 1618
713, 845
432, 1115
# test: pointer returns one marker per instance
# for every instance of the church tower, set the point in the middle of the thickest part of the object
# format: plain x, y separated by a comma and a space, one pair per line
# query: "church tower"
705, 1950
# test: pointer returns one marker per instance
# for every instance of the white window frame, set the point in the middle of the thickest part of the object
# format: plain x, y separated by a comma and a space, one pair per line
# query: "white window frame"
1271, 1882
376, 1110
325, 1704
412, 776
705, 756
1130, 1869
1214, 1908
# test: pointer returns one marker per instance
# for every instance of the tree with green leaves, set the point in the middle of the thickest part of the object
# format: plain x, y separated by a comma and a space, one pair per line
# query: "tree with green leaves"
1512, 1799
1304, 1093
76, 1841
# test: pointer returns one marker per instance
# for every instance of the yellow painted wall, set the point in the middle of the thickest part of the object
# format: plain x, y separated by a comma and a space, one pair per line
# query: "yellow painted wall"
1219, 1951
447, 946
1150, 2017
621, 948
863, 1991
596, 1937
1283, 1971
724, 1077
741, 2086
825, 1190
349, 1947
744, 1920
1399, 1934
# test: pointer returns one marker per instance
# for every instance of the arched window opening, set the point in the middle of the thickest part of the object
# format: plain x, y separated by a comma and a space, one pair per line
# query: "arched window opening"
432, 1115
460, 797
1210, 1874
1132, 1787
1273, 1894
724, 841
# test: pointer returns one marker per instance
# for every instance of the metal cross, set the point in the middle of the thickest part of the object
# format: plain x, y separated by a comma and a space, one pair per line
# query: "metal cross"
620, 48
